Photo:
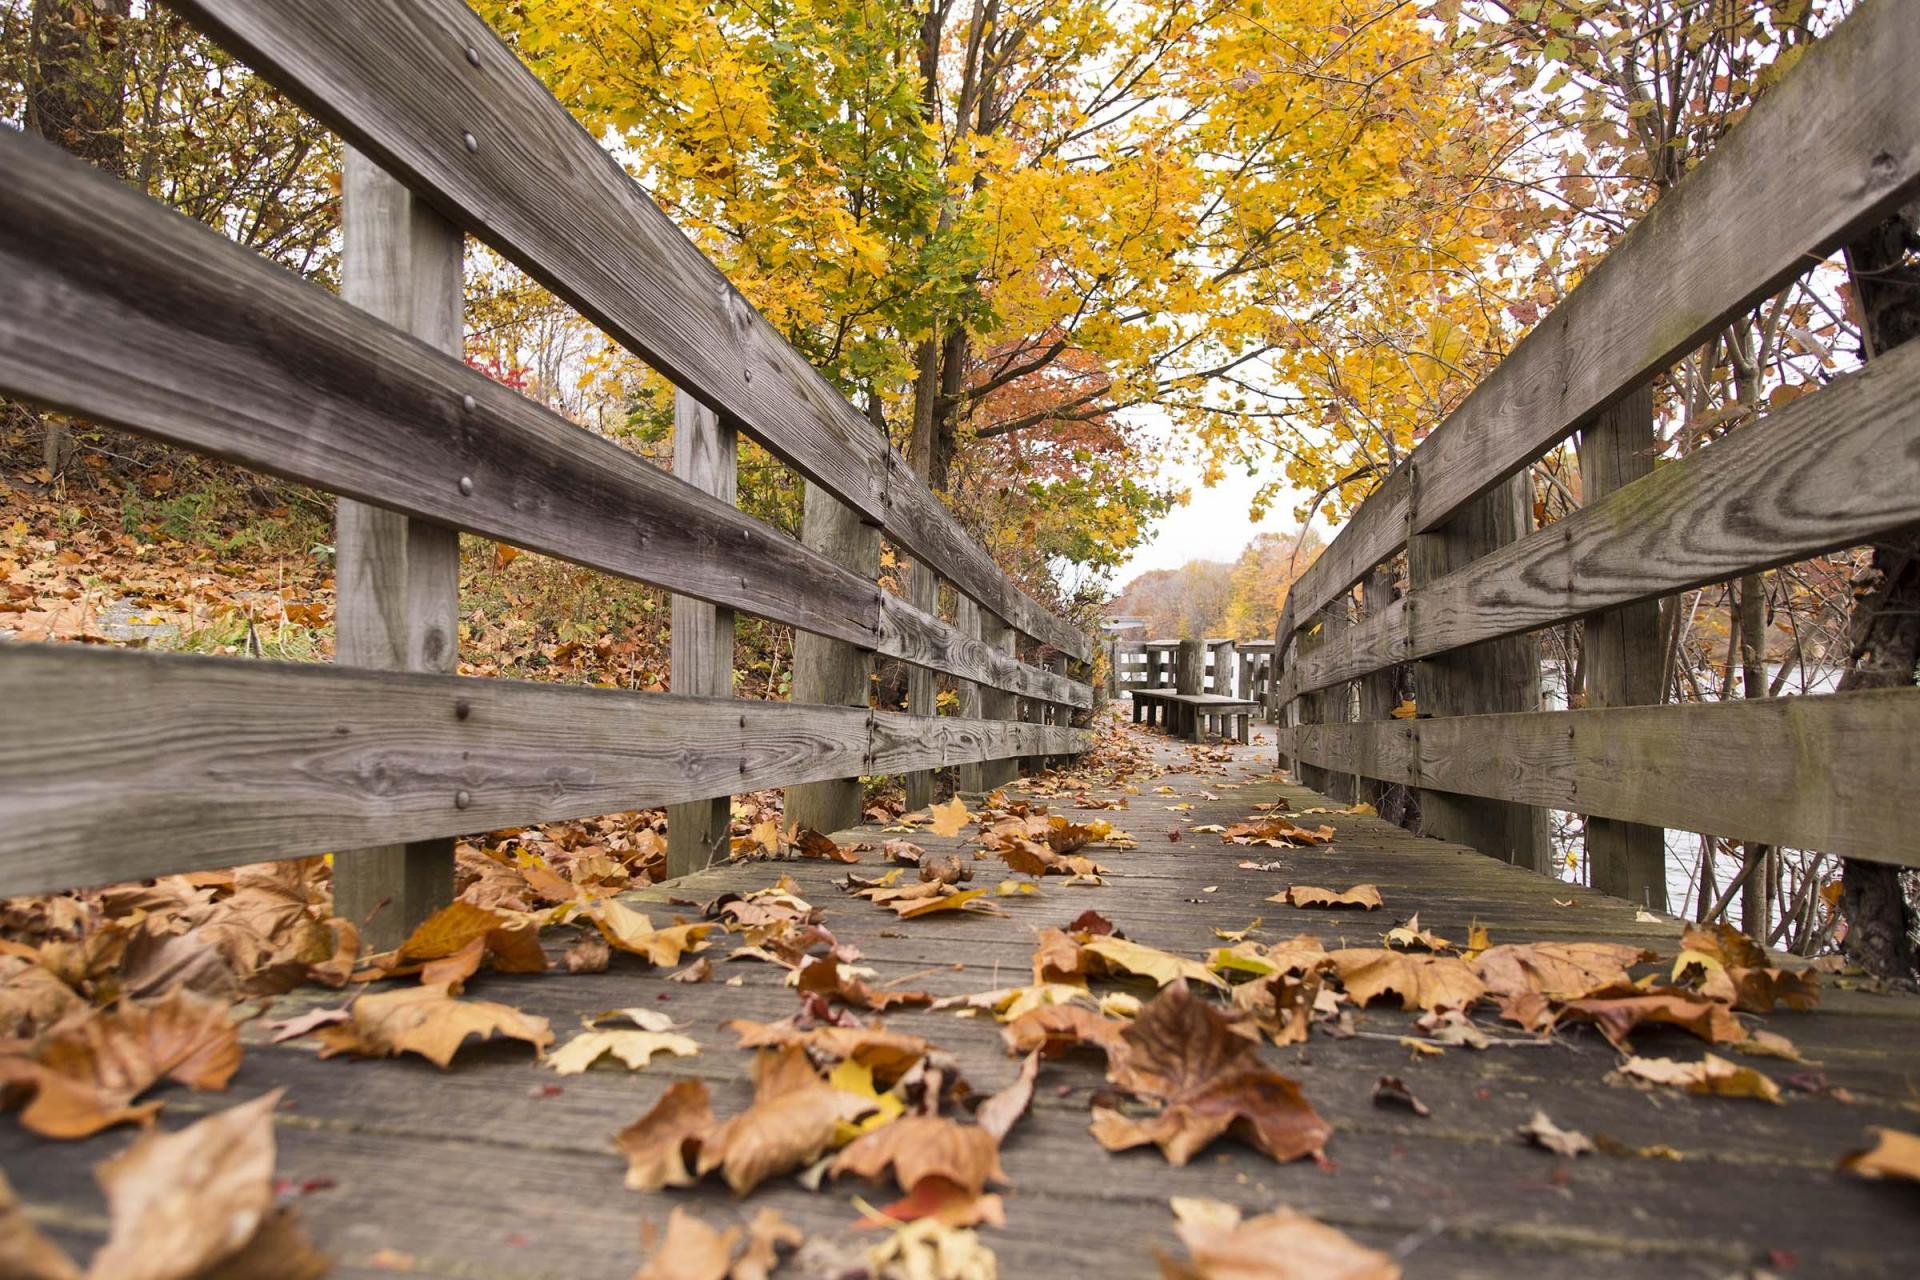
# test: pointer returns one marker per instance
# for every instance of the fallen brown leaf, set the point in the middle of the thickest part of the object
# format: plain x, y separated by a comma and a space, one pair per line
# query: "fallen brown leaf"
199, 1203
1557, 970
1617, 1016
792, 1120
917, 1147
1709, 1075
429, 1021
1421, 981
1392, 1091
660, 1145
1281, 1245
1894, 1154
1189, 1056
1364, 896
1542, 1132
25, 1254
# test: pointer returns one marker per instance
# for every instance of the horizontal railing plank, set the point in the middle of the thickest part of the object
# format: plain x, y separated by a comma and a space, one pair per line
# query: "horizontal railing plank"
1834, 145
120, 765
430, 91
117, 308
1814, 773
1833, 469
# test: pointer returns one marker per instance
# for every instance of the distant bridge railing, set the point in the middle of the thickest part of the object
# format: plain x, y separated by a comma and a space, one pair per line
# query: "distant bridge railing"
1233, 668
1830, 150
118, 765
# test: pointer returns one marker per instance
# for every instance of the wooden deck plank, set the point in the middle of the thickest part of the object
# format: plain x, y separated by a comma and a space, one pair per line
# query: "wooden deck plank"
1455, 1194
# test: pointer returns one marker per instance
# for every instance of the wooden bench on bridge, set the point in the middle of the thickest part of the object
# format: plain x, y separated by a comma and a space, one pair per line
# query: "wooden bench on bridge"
1190, 715
124, 766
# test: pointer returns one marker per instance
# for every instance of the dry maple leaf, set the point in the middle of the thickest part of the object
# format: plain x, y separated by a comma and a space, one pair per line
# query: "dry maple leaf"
888, 1054
1163, 967
632, 931
1058, 958
904, 852
942, 1201
1557, 970
1617, 1016
1364, 896
948, 819
32, 997
793, 1119
86, 1071
1000, 1112
1709, 1075
1189, 1056
691, 1250
824, 975
429, 1021
1281, 1245
1053, 1030
661, 1143
1543, 1132
1894, 1154
917, 1147
200, 1202
588, 955
1281, 1005
812, 844
1421, 981
1275, 833
635, 1048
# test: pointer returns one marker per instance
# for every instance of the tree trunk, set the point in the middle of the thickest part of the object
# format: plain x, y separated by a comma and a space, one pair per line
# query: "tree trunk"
1878, 901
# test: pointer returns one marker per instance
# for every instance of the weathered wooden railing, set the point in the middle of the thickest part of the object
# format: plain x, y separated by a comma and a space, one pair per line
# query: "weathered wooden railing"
1238, 667
119, 765
1831, 149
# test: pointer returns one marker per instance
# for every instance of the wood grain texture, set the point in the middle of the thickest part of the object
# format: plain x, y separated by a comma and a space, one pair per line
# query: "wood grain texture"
923, 589
114, 307
124, 765
831, 671
412, 83
705, 455
1832, 469
1810, 773
984, 702
1623, 654
397, 603
1831, 147
1493, 676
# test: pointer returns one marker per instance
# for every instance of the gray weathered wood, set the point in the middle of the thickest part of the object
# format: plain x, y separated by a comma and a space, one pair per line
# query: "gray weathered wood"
705, 451
1499, 675
125, 765
923, 588
1623, 653
831, 672
1381, 692
113, 306
1832, 469
397, 600
983, 701
1801, 772
1757, 211
430, 90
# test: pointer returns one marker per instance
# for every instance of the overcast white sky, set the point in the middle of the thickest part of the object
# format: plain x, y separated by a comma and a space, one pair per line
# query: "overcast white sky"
1212, 526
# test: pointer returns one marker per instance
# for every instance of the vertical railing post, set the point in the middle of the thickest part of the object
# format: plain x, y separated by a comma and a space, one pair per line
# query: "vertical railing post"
1381, 692
983, 702
705, 455
832, 672
923, 590
1336, 701
1497, 675
397, 601
1623, 653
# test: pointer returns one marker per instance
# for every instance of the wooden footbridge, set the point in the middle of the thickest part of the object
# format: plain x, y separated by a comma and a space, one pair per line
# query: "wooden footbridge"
119, 766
